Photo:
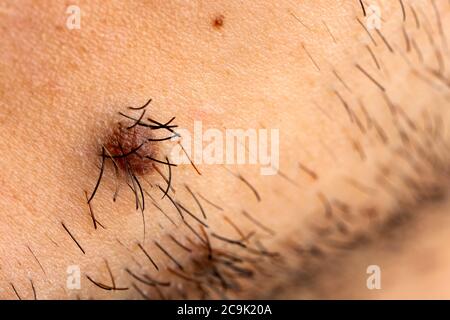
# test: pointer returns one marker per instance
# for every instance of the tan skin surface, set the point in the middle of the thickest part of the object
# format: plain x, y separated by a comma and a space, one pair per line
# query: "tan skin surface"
344, 174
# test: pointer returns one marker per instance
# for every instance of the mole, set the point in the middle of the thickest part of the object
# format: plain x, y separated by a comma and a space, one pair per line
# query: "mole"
134, 145
131, 148
217, 22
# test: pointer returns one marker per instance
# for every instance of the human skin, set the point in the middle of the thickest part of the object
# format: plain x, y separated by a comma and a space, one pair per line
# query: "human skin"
363, 148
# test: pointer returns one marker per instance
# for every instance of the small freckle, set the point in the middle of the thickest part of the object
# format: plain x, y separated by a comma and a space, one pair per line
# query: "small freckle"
217, 22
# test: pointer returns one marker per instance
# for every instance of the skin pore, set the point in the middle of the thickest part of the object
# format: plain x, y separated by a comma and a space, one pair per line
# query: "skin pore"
363, 149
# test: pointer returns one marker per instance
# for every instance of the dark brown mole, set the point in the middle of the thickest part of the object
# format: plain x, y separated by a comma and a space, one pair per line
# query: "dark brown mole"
130, 148
217, 22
